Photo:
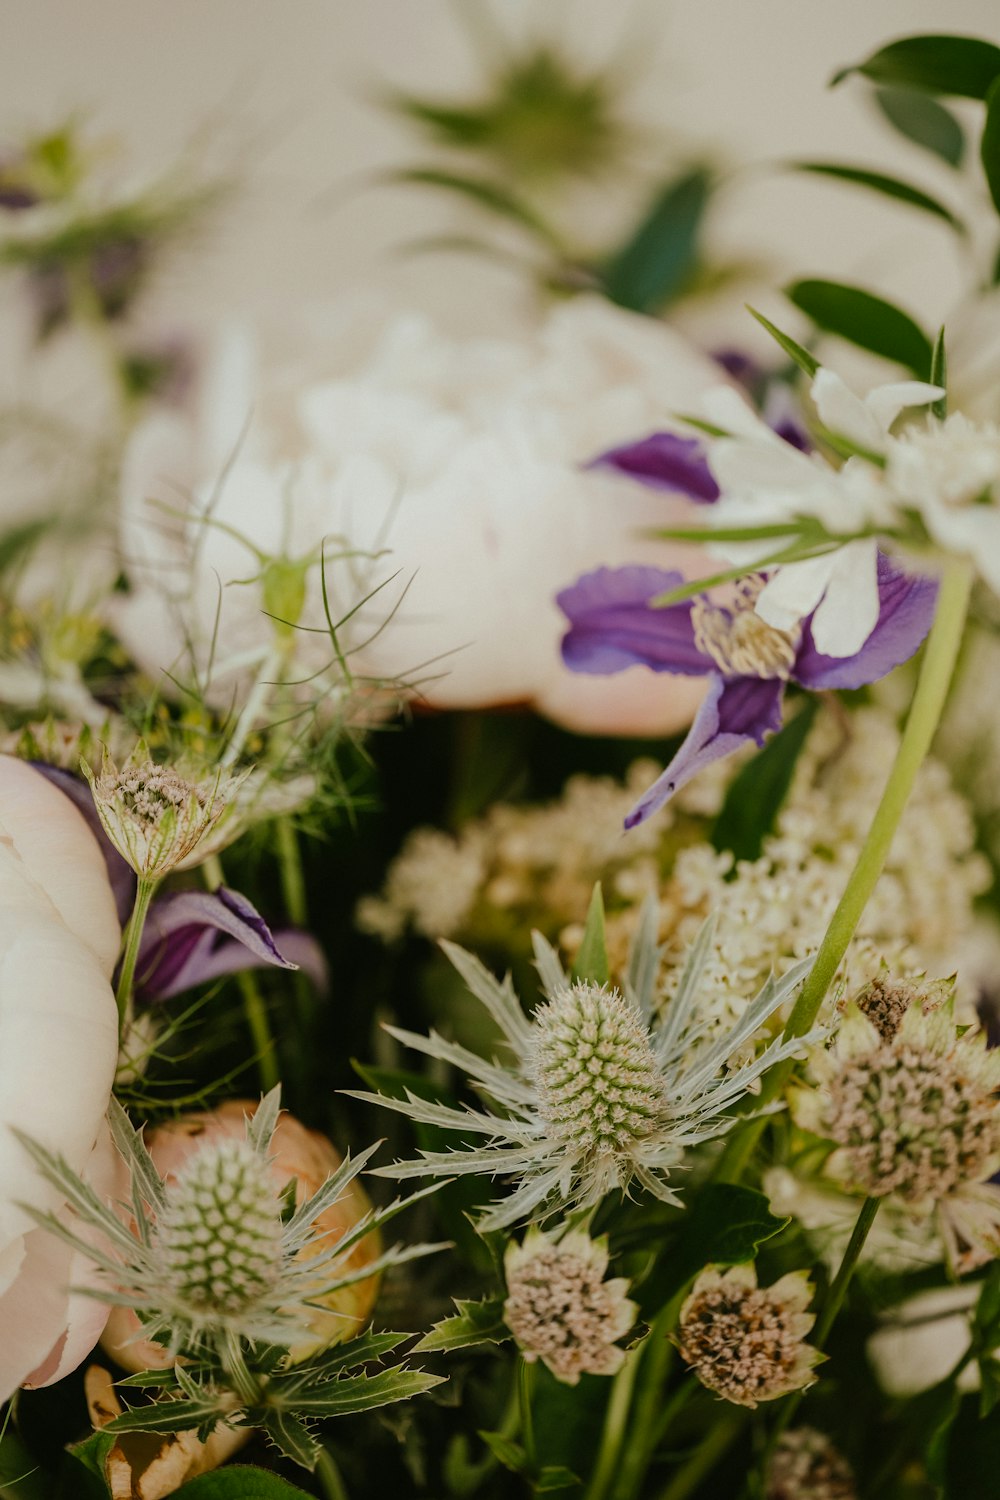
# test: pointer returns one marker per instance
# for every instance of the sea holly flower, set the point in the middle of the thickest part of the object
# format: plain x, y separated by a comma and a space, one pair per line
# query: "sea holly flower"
745, 1342
601, 1093
559, 1307
156, 819
615, 623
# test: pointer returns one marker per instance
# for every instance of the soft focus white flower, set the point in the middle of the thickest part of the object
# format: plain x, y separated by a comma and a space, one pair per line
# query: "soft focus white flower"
922, 1340
447, 475
59, 940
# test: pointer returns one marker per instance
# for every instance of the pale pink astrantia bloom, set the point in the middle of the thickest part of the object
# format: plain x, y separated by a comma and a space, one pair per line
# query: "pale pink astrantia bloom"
559, 1307
745, 1342
59, 940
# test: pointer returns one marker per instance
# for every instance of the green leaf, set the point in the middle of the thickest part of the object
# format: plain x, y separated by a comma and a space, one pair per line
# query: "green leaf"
925, 122
21, 1476
989, 1390
592, 959
474, 1323
756, 793
481, 191
799, 356
878, 182
939, 375
167, 1416
726, 1226
986, 1322
959, 65
865, 320
989, 148
365, 1392
937, 1434
240, 1482
652, 268
292, 1438
507, 1452
554, 1477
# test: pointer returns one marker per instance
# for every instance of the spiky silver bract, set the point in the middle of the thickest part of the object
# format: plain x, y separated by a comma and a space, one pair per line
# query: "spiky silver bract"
601, 1092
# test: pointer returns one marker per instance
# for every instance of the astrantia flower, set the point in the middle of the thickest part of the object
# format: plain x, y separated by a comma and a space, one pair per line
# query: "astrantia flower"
615, 623
806, 1466
598, 1094
214, 1257
559, 1307
746, 1342
914, 1115
155, 817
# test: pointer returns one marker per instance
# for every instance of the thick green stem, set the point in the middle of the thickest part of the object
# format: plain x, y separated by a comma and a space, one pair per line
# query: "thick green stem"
613, 1435
133, 937
713, 1447
936, 671
329, 1476
643, 1434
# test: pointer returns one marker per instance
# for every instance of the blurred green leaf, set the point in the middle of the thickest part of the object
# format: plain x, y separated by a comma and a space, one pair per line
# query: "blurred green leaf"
924, 121
989, 1390
240, 1482
939, 375
756, 793
888, 187
986, 1322
507, 1452
21, 1477
554, 1477
660, 258
865, 320
960, 65
481, 191
799, 356
989, 149
592, 960
725, 1226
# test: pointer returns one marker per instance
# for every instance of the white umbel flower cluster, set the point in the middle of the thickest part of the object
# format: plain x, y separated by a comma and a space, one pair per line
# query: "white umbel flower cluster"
806, 1466
745, 1342
559, 1307
598, 1094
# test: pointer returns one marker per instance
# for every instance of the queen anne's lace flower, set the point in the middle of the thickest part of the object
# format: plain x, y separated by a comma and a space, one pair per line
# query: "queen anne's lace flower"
747, 1342
598, 1093
559, 1307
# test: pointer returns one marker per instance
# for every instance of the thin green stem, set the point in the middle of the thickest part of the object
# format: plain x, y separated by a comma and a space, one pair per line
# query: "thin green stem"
935, 677
713, 1447
133, 937
254, 1004
293, 883
329, 1476
613, 1434
637, 1451
525, 1387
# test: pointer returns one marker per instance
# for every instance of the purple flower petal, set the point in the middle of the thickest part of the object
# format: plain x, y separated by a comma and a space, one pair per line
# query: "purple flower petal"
734, 710
664, 461
613, 625
193, 937
906, 609
121, 876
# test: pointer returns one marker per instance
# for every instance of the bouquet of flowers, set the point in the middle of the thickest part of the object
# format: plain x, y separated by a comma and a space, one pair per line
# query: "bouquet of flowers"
541, 790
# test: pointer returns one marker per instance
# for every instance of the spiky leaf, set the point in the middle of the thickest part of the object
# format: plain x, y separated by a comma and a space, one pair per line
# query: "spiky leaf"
474, 1323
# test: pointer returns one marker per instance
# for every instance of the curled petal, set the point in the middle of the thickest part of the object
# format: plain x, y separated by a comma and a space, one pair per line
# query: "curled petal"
906, 609
664, 461
735, 710
613, 624
194, 937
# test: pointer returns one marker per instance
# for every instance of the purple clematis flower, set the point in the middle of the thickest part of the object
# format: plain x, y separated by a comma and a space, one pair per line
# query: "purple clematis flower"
614, 624
194, 937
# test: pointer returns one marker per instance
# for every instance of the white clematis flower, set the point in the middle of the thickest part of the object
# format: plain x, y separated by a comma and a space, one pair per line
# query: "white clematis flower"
59, 940
448, 475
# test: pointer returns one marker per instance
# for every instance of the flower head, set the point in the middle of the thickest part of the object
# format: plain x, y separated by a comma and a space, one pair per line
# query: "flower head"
747, 1342
806, 1466
599, 1094
615, 623
559, 1307
154, 817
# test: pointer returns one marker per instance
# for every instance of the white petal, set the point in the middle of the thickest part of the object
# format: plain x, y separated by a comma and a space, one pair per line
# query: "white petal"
848, 611
887, 401
843, 412
794, 591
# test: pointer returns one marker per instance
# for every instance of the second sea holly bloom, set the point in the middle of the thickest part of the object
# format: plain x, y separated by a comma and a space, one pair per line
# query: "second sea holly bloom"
615, 622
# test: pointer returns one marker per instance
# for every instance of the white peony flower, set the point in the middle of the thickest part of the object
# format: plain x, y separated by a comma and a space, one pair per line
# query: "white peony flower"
59, 940
448, 476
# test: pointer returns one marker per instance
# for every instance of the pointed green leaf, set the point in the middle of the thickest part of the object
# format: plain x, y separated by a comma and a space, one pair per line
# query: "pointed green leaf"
989, 1389
292, 1438
509, 1453
365, 1392
986, 1321
799, 356
865, 320
166, 1416
889, 187
474, 1323
924, 121
989, 149
939, 375
592, 960
758, 790
481, 191
959, 65
653, 267
240, 1482
554, 1477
